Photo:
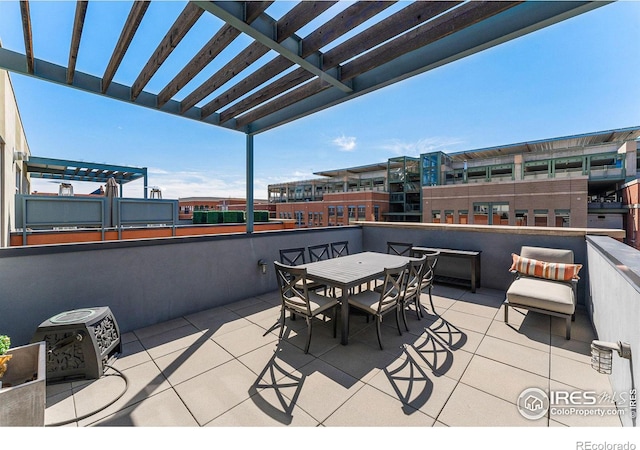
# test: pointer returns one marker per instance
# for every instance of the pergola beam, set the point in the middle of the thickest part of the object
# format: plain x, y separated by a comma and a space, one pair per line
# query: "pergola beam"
78, 24
263, 32
348, 19
136, 14
185, 21
28, 35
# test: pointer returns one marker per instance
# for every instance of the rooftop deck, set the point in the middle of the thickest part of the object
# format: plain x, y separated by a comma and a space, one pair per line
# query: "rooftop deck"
225, 367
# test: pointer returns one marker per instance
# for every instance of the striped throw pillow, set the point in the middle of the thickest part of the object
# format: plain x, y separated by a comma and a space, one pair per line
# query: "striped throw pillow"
544, 269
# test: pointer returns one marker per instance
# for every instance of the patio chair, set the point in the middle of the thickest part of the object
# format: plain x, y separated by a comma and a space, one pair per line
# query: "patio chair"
292, 256
399, 248
411, 294
387, 300
300, 300
318, 252
545, 281
428, 276
339, 249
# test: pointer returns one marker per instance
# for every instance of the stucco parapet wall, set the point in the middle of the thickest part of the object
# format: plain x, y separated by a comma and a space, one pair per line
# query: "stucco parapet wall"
623, 257
505, 229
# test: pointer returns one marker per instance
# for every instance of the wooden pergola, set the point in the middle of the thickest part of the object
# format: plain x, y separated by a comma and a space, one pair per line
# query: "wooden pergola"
309, 73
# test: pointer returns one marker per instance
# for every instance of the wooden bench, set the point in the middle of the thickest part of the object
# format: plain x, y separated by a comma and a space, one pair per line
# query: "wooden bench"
460, 267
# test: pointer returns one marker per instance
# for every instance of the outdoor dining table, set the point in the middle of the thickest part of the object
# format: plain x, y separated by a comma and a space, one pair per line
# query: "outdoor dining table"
351, 271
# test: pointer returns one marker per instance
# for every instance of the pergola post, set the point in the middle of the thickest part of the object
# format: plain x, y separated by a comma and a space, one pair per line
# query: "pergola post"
249, 163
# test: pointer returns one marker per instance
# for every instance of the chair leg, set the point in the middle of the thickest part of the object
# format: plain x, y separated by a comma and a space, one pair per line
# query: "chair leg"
282, 317
433, 308
335, 321
506, 312
418, 305
398, 312
568, 320
404, 316
378, 320
309, 327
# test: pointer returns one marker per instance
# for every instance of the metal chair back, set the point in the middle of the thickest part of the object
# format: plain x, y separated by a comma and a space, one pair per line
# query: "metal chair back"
292, 256
339, 249
319, 252
399, 248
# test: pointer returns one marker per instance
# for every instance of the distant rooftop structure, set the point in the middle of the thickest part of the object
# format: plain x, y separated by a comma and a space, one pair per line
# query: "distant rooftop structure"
580, 140
68, 170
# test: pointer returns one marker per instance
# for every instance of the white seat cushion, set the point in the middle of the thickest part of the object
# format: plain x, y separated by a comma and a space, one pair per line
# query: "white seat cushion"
542, 294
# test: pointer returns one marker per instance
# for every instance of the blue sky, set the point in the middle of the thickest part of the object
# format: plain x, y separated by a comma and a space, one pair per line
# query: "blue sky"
578, 76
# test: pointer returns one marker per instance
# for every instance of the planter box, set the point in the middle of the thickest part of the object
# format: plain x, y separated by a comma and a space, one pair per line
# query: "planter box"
23, 391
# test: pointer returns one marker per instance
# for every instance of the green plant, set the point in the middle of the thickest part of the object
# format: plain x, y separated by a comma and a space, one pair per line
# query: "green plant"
5, 344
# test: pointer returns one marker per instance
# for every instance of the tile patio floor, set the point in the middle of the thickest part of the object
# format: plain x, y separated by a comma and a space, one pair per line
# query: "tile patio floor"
460, 366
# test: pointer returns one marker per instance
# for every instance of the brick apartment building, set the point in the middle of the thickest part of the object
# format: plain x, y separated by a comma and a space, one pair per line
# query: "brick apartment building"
588, 180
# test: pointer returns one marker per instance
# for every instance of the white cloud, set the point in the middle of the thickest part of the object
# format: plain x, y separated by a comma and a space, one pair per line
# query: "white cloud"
427, 145
345, 143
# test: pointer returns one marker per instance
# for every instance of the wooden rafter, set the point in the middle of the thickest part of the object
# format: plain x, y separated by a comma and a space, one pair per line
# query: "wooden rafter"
334, 28
78, 24
136, 14
459, 18
208, 53
187, 19
299, 16
403, 20
28, 36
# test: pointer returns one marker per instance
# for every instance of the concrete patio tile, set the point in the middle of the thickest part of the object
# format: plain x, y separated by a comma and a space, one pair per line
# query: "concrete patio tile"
430, 353
128, 337
470, 407
172, 340
475, 309
453, 337
295, 333
58, 388
485, 297
448, 291
467, 321
273, 297
603, 414
581, 328
133, 353
265, 409
527, 336
258, 312
162, 410
392, 342
240, 304
217, 321
519, 356
180, 366
370, 407
501, 380
578, 375
358, 359
415, 386
212, 393
572, 349
440, 303
244, 340
144, 380
268, 361
160, 328
60, 408
319, 388
522, 318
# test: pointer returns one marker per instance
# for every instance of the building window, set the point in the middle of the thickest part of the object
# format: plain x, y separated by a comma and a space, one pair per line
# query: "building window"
563, 218
362, 212
310, 223
481, 213
500, 214
376, 213
521, 217
540, 217
463, 216
435, 216
340, 211
448, 216
352, 212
